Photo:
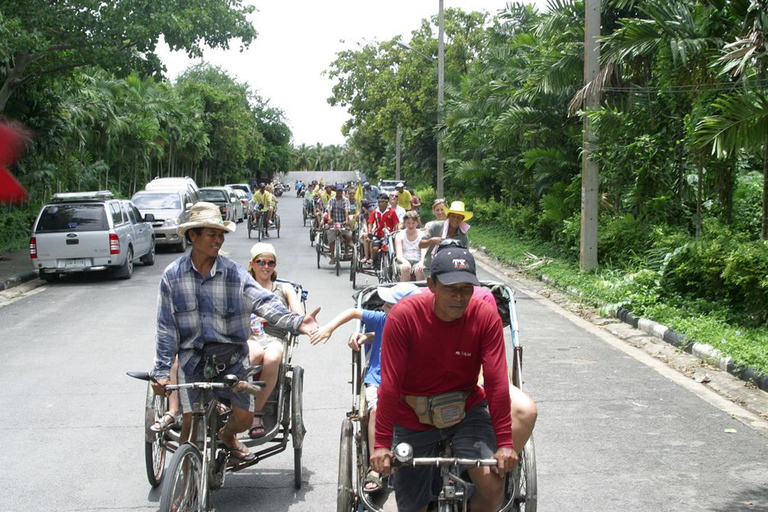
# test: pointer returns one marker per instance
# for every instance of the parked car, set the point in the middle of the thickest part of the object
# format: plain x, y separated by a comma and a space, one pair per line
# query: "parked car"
243, 186
90, 231
245, 201
170, 208
185, 183
223, 198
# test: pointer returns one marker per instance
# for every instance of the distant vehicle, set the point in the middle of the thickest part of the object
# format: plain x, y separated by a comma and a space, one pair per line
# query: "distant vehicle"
243, 186
185, 183
223, 198
90, 231
388, 186
242, 196
170, 208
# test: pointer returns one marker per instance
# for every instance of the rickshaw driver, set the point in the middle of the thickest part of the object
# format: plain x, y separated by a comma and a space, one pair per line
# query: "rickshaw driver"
205, 302
263, 200
434, 347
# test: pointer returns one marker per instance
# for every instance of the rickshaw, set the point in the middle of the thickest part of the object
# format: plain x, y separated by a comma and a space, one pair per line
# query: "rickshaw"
520, 487
200, 465
323, 248
256, 223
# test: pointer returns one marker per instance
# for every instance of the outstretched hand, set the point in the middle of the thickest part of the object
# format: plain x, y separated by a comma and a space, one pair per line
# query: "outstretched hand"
309, 325
358, 338
321, 335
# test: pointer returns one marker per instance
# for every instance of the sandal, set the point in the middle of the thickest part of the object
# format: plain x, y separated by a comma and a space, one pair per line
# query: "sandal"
257, 431
372, 482
239, 453
167, 421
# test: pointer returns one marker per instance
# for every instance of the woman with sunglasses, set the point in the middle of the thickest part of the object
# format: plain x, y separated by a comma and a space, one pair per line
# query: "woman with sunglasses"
266, 346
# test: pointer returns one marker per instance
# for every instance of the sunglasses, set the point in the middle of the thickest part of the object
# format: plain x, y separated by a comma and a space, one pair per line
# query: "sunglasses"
268, 263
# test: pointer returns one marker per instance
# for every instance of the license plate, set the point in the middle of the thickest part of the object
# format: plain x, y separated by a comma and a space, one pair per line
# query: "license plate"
76, 263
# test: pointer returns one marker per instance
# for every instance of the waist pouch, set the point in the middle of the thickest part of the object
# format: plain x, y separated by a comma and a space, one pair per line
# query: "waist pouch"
444, 410
222, 358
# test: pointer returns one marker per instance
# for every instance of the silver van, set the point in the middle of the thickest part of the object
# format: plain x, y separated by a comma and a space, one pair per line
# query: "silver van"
89, 231
170, 208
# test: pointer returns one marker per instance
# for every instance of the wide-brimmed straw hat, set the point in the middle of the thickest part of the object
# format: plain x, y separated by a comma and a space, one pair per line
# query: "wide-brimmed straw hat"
457, 207
205, 215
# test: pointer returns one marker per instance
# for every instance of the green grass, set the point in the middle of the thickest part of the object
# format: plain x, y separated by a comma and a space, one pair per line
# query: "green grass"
634, 288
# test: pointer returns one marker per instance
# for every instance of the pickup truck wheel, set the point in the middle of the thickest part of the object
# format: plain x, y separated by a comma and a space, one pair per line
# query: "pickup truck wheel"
126, 270
182, 246
149, 258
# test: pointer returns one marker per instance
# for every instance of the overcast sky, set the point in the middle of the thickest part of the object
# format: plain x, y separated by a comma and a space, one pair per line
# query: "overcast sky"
298, 40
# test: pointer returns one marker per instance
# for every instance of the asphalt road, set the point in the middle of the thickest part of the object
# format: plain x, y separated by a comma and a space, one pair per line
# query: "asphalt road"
615, 433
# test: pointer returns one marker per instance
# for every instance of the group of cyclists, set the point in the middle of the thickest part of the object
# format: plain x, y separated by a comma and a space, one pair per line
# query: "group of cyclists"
432, 344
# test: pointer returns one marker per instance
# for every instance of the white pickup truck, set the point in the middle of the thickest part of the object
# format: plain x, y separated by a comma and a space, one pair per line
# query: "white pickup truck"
90, 231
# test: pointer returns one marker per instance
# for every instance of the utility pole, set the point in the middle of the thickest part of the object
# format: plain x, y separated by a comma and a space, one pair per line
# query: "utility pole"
590, 171
440, 80
397, 152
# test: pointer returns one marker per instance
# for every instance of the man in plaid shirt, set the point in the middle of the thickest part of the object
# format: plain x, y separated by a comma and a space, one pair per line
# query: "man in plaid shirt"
339, 208
204, 306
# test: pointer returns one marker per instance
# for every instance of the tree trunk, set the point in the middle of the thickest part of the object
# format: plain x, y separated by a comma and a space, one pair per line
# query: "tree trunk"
16, 77
699, 186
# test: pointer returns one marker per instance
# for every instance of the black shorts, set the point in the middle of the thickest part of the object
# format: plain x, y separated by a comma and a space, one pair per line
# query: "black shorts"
376, 241
473, 438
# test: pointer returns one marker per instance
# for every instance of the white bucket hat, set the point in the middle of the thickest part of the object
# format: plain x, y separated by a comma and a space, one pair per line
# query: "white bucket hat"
393, 294
205, 215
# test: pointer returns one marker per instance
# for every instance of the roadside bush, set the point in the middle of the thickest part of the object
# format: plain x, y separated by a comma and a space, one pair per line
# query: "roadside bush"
16, 225
621, 239
694, 270
747, 203
523, 220
746, 279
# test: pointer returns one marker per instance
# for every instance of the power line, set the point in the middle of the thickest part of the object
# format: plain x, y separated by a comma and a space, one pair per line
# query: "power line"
717, 86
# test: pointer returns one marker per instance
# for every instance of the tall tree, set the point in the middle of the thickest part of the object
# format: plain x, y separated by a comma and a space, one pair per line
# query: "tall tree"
42, 37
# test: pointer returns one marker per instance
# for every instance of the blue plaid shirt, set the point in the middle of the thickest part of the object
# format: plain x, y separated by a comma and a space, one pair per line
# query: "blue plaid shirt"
193, 310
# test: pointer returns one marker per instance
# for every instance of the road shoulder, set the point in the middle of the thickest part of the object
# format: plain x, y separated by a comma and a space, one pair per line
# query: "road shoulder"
739, 399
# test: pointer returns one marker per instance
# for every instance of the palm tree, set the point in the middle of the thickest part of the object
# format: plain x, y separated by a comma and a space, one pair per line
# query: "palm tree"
742, 121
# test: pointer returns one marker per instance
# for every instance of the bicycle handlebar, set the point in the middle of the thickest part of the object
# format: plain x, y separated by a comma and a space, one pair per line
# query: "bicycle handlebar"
404, 455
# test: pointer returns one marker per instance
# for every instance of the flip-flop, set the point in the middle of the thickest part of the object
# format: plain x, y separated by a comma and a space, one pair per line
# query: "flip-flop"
370, 478
245, 457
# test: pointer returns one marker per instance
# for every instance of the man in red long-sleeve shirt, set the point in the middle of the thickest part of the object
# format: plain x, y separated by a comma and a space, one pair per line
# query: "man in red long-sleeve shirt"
435, 344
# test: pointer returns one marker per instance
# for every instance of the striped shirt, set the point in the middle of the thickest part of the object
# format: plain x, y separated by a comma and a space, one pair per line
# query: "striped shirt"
193, 310
339, 209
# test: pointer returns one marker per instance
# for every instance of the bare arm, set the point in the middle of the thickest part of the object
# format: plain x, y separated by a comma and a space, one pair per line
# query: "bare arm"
325, 332
294, 304
399, 247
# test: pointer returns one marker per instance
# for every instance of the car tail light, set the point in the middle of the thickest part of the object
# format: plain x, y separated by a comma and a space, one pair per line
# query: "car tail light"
114, 244
224, 210
33, 247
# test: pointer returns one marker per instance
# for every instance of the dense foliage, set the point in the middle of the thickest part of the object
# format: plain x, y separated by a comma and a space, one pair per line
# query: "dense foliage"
101, 114
683, 133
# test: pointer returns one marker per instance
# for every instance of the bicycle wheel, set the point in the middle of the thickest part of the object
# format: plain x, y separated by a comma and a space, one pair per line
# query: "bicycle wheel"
277, 225
337, 251
250, 225
526, 498
318, 250
345, 493
182, 491
261, 226
154, 450
353, 267
297, 422
384, 269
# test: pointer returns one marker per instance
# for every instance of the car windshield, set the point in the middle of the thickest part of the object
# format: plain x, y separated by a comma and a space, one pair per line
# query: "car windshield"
212, 195
73, 217
157, 201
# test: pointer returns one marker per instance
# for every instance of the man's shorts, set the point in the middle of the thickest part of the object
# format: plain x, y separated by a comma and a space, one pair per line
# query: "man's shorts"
189, 396
473, 438
332, 234
371, 396
376, 241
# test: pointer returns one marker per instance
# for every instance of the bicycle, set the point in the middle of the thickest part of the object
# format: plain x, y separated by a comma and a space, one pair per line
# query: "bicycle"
199, 466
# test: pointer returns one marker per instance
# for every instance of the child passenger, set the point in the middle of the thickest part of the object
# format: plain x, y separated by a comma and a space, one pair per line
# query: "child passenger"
373, 322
